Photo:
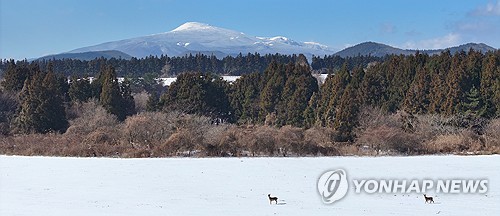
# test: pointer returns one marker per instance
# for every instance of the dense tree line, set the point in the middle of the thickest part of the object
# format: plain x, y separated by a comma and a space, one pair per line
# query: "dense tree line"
335, 62
41, 97
166, 66
285, 93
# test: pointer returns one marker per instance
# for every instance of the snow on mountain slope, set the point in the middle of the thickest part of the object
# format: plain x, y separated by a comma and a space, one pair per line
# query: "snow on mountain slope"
199, 37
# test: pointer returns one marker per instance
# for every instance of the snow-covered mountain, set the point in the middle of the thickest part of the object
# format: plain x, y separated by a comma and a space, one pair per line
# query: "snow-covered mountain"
194, 37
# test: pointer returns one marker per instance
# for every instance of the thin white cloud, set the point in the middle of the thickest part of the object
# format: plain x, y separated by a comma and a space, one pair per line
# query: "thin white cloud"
473, 26
449, 40
413, 33
490, 9
387, 28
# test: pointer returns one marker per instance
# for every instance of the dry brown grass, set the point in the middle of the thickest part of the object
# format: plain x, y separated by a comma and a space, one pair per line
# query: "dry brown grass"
95, 133
465, 142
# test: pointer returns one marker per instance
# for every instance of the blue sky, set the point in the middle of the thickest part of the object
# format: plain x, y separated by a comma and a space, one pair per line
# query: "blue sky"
32, 28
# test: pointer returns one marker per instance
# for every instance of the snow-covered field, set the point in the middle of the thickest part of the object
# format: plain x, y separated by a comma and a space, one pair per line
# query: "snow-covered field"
233, 186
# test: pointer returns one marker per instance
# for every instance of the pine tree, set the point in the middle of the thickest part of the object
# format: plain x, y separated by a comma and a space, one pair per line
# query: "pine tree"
305, 86
346, 117
310, 112
245, 98
489, 75
127, 100
273, 84
331, 93
374, 87
197, 93
52, 111
473, 104
439, 69
153, 103
454, 84
417, 99
80, 90
496, 95
282, 111
42, 108
14, 76
28, 120
324, 96
111, 96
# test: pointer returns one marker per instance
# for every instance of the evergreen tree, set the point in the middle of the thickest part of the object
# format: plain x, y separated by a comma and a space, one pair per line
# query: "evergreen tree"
28, 119
417, 99
281, 109
197, 93
473, 104
496, 95
80, 90
439, 66
490, 73
42, 108
310, 112
273, 84
52, 111
454, 84
346, 117
324, 96
14, 76
245, 98
374, 86
305, 86
331, 93
111, 97
153, 103
127, 100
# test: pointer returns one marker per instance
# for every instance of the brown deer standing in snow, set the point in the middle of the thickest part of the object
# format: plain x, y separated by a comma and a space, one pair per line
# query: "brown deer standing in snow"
428, 199
271, 199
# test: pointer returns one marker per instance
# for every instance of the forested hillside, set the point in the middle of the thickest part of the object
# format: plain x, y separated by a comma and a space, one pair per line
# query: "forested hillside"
401, 104
165, 66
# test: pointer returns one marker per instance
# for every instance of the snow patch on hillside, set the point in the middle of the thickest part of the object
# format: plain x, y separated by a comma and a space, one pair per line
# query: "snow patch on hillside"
194, 36
193, 26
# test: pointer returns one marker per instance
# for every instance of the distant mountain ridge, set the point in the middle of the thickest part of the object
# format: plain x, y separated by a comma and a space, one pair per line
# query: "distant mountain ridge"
380, 50
88, 55
194, 37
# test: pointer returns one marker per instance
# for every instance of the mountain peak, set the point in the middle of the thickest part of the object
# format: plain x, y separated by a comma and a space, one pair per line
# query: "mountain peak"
189, 26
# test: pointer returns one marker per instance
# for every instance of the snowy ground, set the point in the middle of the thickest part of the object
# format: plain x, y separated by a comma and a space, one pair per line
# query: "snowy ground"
232, 186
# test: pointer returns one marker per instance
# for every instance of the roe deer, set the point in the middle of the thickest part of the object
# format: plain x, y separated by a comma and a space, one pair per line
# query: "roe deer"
428, 199
271, 199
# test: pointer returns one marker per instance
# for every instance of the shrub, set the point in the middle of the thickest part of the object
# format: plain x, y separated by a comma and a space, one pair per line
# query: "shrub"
384, 139
259, 140
141, 100
492, 136
463, 142
90, 116
290, 140
229, 141
148, 129
319, 141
